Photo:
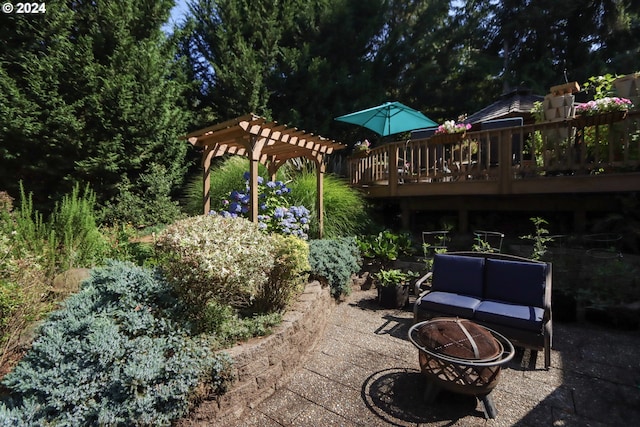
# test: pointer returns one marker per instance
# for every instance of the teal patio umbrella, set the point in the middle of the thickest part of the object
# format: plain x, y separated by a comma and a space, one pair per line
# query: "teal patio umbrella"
388, 119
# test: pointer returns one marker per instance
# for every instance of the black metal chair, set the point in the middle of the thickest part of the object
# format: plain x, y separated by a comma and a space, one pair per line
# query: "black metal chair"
489, 241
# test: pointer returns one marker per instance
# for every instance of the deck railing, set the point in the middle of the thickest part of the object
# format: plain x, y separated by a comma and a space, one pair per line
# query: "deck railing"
589, 147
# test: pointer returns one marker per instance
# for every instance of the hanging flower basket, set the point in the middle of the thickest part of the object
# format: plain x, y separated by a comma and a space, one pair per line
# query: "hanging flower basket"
361, 149
360, 154
450, 132
447, 138
599, 119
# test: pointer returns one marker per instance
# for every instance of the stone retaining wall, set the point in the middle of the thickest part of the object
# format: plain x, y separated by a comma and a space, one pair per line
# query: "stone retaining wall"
263, 365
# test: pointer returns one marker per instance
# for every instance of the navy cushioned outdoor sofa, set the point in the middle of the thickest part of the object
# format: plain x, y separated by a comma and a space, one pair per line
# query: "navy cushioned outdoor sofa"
509, 294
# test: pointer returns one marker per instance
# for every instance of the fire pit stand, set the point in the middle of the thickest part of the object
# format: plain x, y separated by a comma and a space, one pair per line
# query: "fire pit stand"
460, 356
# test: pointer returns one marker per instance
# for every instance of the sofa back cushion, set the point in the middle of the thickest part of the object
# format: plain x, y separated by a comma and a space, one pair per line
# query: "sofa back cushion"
458, 274
516, 282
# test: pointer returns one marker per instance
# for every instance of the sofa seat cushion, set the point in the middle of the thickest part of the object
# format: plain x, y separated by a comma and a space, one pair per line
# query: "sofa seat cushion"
450, 304
516, 282
458, 274
512, 315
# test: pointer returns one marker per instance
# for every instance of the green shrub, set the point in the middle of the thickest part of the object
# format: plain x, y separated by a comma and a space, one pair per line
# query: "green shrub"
74, 227
11, 298
386, 246
237, 328
114, 355
10, 293
210, 257
540, 238
345, 209
226, 326
7, 264
6, 202
147, 201
30, 235
24, 298
24, 285
333, 261
288, 276
125, 245
70, 237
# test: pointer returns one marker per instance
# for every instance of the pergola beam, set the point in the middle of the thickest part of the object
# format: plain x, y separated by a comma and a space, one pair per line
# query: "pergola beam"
264, 142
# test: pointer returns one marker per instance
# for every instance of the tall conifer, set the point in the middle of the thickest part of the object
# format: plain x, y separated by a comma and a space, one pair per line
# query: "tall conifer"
89, 92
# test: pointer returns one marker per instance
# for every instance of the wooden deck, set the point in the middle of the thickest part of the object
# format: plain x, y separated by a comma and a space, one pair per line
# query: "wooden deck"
564, 161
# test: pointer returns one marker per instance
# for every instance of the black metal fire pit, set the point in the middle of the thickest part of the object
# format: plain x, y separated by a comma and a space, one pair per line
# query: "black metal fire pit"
461, 356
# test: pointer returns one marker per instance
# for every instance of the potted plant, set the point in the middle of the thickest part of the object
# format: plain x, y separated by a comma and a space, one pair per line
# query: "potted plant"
393, 287
385, 247
450, 132
610, 104
361, 149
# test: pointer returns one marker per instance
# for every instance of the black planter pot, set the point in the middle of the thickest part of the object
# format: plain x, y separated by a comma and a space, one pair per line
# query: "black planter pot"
617, 317
564, 306
393, 296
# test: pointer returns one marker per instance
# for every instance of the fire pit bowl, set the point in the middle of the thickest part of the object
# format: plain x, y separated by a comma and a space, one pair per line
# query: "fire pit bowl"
460, 356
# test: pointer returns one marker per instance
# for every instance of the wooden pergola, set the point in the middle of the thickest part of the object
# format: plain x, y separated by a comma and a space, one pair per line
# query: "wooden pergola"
265, 142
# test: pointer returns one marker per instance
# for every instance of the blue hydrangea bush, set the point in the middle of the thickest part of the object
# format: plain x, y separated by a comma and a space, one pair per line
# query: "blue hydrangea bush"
275, 213
113, 355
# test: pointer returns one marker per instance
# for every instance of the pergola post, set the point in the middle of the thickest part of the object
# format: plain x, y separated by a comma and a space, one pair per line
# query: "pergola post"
206, 180
320, 169
254, 161
253, 190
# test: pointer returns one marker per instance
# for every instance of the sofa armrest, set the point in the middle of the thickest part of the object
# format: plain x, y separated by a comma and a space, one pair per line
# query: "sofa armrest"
547, 293
417, 286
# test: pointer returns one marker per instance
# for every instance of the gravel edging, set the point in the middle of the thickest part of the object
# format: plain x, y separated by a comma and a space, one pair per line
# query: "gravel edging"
263, 365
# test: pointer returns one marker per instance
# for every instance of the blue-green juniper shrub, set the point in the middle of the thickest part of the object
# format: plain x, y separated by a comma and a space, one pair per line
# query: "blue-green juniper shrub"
113, 355
334, 261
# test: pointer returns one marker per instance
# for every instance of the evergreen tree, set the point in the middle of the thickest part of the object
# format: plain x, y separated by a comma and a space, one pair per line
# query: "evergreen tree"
432, 56
327, 68
40, 111
306, 62
302, 62
233, 46
540, 41
91, 93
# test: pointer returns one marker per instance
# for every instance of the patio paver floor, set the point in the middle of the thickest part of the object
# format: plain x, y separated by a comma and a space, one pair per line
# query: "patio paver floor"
365, 372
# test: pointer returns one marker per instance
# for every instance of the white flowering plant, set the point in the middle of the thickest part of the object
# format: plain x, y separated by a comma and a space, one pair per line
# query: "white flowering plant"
604, 105
210, 257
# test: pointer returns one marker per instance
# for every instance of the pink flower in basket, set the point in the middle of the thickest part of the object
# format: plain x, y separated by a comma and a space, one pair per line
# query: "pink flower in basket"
603, 105
450, 126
